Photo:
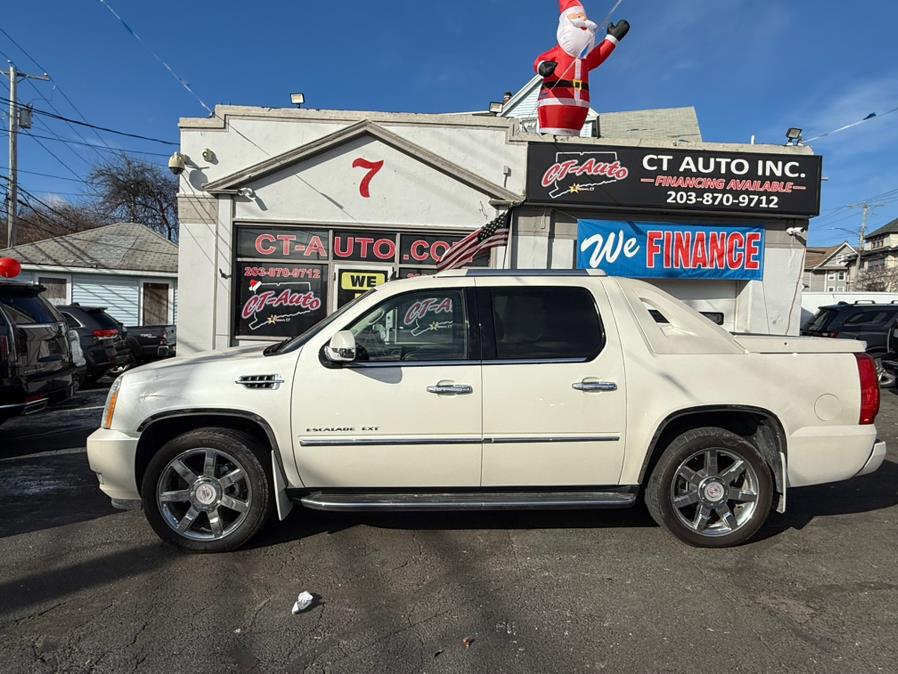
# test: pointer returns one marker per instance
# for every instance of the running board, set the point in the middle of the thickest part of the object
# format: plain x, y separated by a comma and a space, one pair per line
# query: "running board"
479, 500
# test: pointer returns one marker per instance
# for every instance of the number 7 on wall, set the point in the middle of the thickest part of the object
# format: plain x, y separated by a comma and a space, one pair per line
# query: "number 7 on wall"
372, 167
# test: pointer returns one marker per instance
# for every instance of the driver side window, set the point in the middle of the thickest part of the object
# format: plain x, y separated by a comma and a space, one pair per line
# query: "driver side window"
426, 325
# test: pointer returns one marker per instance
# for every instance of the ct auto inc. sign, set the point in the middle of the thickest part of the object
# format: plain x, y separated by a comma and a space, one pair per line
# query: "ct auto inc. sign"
663, 250
696, 181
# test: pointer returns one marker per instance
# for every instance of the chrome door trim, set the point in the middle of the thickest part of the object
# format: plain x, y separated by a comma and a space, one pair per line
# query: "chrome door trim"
374, 442
506, 440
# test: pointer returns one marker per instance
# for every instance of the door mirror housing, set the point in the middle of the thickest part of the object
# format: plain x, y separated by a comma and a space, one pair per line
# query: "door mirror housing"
341, 348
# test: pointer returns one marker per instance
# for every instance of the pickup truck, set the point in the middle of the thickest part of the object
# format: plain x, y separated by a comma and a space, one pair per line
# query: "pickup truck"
150, 342
489, 389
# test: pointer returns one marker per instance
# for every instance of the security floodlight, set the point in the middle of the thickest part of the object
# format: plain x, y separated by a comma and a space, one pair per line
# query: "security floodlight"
297, 99
793, 135
496, 107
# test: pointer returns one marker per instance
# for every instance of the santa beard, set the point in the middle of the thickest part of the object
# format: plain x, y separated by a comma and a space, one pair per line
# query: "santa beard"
573, 39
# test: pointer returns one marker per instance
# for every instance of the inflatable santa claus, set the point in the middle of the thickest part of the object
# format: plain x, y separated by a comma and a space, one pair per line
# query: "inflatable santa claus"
564, 97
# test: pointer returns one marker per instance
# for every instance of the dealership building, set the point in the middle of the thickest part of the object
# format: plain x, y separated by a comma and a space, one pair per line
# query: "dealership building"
327, 203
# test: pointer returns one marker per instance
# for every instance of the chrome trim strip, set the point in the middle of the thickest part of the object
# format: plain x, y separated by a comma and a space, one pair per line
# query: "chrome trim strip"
448, 363
374, 442
505, 440
485, 272
468, 501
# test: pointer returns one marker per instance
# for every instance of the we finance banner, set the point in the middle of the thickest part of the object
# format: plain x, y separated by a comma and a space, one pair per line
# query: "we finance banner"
664, 250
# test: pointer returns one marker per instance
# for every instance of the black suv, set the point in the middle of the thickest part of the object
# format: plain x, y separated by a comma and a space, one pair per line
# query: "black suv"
102, 339
36, 367
868, 322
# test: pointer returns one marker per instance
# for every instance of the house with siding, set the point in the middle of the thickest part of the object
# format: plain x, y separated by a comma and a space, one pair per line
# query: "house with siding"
833, 269
126, 267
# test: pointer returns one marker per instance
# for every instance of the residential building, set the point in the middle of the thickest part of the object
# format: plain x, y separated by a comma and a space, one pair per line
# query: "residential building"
833, 269
126, 267
880, 267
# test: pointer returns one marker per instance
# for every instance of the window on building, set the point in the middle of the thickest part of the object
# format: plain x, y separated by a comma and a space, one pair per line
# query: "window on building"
841, 276
546, 323
831, 289
57, 289
420, 326
155, 304
831, 276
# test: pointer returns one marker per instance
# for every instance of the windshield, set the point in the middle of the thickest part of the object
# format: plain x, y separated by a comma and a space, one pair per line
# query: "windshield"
294, 343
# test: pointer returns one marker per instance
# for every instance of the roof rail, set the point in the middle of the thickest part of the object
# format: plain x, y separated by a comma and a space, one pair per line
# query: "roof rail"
523, 272
865, 301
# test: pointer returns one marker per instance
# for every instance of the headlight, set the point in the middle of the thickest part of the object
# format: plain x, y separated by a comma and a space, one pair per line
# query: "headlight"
111, 399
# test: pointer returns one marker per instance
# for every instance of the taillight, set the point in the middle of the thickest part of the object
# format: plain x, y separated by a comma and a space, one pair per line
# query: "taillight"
105, 334
831, 333
866, 368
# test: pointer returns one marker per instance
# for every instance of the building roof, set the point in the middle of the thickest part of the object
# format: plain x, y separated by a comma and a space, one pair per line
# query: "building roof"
346, 134
888, 228
817, 258
125, 246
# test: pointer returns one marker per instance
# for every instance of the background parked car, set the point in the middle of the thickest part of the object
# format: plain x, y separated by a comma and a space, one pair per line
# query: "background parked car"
869, 322
149, 343
36, 367
101, 337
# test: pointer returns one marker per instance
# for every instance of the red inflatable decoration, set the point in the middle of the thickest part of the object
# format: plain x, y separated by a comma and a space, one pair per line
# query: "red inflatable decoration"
564, 98
9, 268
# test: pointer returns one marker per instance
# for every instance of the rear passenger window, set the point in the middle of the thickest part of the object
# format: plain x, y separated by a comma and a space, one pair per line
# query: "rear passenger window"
869, 318
546, 323
25, 310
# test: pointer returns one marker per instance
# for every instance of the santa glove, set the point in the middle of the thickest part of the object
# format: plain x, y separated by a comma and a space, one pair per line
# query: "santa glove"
546, 68
619, 30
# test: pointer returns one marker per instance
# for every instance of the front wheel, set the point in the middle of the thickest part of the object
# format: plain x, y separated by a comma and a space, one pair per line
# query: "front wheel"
711, 488
206, 490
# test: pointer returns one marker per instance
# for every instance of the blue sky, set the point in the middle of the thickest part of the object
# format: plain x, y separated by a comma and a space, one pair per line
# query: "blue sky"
749, 67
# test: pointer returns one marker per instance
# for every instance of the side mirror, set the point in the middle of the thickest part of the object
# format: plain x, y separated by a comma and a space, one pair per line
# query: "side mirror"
341, 348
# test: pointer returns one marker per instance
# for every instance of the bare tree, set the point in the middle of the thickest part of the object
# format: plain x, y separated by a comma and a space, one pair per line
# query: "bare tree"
132, 190
37, 221
882, 279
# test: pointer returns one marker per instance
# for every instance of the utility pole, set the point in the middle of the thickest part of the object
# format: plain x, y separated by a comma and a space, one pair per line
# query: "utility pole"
12, 193
862, 232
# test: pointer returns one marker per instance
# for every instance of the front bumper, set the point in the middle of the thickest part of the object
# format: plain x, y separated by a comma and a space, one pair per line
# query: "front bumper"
111, 455
877, 456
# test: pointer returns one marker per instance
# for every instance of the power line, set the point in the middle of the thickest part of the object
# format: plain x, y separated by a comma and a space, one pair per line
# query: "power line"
56, 86
47, 175
104, 148
94, 126
54, 155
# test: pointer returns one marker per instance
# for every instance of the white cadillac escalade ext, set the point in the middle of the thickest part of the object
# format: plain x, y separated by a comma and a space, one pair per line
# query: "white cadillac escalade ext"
486, 390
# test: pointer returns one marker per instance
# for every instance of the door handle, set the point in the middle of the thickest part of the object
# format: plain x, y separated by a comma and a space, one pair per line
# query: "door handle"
448, 388
594, 385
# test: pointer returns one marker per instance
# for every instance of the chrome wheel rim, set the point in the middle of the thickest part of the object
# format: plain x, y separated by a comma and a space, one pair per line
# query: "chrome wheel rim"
714, 492
204, 494
885, 378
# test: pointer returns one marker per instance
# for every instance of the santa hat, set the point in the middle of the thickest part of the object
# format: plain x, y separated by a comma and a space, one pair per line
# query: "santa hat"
571, 7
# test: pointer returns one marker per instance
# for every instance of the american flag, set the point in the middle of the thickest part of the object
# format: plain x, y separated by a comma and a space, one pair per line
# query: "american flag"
463, 252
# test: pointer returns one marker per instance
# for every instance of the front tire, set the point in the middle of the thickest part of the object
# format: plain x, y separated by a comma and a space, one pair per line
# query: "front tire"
206, 490
711, 488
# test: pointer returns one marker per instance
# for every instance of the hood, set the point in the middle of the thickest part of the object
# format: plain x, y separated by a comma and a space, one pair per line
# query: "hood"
201, 357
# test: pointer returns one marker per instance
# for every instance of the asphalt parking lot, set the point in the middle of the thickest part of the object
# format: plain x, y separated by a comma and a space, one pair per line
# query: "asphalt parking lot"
84, 587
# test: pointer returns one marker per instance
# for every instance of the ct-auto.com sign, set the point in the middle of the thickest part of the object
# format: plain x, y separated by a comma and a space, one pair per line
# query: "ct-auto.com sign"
636, 178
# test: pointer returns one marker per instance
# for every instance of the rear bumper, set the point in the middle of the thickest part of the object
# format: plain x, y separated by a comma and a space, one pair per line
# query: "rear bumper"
111, 455
820, 454
877, 456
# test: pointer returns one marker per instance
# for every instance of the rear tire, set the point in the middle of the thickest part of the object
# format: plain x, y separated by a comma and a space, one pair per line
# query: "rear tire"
207, 491
711, 488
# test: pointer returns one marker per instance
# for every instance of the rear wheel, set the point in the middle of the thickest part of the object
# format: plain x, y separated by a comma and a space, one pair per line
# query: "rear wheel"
206, 490
710, 488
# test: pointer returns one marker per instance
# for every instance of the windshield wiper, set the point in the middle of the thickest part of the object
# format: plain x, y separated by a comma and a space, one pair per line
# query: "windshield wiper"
274, 348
